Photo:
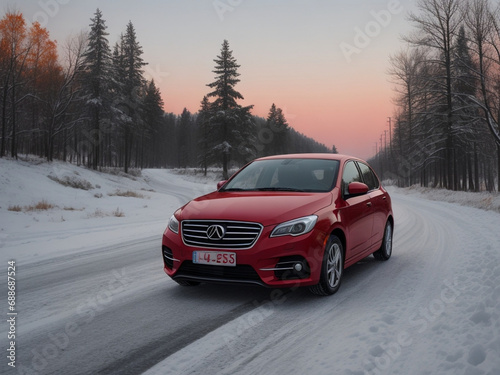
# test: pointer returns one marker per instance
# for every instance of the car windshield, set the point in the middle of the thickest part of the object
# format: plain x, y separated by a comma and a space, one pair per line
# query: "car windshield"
302, 175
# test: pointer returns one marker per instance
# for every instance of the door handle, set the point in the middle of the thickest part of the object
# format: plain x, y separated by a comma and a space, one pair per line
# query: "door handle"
369, 204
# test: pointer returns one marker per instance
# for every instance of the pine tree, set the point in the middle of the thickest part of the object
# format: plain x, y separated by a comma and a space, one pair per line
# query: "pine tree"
184, 132
226, 70
463, 66
96, 80
203, 121
133, 61
130, 89
466, 114
153, 120
231, 124
276, 132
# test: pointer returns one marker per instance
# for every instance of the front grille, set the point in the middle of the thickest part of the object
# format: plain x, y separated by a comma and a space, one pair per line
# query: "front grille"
236, 234
240, 272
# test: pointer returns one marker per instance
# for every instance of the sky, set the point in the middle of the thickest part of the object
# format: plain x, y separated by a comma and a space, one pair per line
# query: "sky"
323, 62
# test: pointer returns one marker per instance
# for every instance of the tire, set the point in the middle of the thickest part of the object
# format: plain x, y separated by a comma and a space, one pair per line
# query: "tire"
187, 282
385, 251
332, 269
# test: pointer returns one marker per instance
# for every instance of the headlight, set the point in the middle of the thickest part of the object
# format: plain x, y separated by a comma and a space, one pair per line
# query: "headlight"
295, 227
173, 224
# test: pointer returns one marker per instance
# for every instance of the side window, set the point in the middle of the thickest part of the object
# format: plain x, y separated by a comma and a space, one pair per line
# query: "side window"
369, 177
351, 174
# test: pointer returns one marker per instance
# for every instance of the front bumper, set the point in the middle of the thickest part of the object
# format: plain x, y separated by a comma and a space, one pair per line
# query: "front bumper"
270, 262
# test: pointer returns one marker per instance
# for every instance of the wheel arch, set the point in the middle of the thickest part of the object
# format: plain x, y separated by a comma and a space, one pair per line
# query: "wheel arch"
390, 219
342, 237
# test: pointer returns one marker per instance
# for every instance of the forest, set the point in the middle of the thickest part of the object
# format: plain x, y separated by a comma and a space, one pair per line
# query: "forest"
88, 102
445, 132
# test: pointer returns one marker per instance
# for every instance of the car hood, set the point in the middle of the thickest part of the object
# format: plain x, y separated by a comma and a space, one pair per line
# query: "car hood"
265, 208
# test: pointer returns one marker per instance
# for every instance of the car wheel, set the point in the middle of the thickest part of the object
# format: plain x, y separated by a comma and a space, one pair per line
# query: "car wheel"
385, 251
187, 283
332, 268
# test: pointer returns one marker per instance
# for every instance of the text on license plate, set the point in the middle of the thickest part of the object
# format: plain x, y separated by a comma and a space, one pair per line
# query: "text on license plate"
218, 258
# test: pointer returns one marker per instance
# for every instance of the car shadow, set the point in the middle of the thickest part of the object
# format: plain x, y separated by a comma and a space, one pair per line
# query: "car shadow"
220, 292
257, 294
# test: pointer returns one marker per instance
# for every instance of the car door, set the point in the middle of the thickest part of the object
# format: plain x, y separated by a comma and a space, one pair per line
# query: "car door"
356, 215
378, 200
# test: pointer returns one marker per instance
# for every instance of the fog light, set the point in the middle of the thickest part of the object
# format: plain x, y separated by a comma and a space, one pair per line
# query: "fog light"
298, 267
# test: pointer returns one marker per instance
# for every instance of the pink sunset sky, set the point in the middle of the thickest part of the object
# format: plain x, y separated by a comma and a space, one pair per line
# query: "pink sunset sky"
323, 62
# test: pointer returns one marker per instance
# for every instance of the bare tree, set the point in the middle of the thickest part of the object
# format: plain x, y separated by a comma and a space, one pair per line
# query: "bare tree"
62, 110
484, 29
408, 73
15, 49
437, 24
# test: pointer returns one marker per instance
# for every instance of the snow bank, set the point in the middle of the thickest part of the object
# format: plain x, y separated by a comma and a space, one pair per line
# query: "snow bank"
52, 209
483, 200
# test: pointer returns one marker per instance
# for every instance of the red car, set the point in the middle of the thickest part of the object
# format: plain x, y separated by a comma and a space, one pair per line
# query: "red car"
282, 221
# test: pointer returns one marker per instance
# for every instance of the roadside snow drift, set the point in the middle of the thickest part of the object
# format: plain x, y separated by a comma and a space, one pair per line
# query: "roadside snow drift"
52, 209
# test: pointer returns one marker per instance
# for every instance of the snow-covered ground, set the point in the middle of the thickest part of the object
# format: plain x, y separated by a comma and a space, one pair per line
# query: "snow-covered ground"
92, 296
483, 200
89, 208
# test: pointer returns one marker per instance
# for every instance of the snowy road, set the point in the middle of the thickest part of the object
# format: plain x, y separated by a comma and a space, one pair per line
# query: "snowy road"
113, 311
432, 308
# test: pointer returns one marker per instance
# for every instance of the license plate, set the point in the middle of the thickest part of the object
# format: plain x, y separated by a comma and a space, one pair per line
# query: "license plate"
216, 258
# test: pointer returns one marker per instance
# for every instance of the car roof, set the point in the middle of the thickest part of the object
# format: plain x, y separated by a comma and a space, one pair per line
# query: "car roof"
327, 156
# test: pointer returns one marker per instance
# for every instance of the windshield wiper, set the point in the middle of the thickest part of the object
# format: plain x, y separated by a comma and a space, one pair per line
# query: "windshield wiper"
279, 189
234, 189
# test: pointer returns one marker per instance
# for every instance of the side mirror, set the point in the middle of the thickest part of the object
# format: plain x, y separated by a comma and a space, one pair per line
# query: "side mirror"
357, 188
220, 184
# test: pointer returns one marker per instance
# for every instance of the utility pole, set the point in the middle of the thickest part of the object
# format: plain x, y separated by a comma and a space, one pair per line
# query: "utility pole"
390, 133
381, 160
386, 154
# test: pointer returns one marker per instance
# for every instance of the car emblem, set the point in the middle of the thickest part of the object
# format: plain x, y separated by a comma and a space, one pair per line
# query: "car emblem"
215, 232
